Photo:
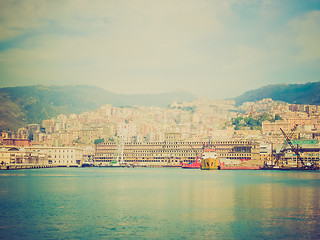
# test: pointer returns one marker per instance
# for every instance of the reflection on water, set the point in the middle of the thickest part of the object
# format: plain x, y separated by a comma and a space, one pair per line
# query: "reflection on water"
102, 203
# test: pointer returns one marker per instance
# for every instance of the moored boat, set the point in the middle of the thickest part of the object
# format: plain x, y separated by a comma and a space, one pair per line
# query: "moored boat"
209, 159
194, 165
87, 164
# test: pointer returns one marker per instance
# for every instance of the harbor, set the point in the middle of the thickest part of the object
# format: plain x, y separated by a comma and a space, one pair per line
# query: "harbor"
159, 120
158, 203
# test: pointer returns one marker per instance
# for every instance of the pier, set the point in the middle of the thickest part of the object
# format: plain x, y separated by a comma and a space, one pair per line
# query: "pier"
24, 166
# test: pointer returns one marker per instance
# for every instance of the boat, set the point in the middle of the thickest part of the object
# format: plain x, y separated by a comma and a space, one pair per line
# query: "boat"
114, 164
209, 159
87, 164
307, 168
193, 165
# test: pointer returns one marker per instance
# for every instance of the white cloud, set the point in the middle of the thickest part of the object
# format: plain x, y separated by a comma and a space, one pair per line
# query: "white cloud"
152, 46
306, 36
127, 34
298, 42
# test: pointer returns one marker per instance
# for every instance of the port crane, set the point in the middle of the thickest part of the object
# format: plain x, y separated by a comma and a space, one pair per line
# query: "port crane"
284, 146
293, 148
118, 155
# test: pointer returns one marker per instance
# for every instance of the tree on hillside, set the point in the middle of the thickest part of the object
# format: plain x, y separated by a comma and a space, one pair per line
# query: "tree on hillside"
99, 140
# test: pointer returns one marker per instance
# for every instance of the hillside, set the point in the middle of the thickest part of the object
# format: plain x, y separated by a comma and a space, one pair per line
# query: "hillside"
32, 104
308, 93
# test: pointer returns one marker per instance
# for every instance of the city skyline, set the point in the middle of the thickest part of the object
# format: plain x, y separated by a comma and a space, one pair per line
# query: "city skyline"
215, 49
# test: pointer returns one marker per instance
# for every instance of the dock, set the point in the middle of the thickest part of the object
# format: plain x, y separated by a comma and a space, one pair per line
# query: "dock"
25, 166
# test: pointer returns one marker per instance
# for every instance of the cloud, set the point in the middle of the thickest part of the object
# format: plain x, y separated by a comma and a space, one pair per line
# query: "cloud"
305, 33
118, 35
154, 46
297, 42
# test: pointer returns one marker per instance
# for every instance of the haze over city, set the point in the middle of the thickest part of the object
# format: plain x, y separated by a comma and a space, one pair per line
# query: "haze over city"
217, 49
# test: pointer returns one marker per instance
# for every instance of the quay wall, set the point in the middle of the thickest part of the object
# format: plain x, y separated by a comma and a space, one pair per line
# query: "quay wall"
31, 166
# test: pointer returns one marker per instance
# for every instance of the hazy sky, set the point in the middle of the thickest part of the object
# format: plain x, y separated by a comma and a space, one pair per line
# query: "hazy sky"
217, 48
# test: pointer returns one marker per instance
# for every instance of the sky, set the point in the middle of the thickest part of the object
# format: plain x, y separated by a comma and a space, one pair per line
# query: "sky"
210, 48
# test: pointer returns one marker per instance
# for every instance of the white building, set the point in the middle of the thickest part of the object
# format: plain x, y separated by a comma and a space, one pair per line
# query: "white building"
62, 156
59, 156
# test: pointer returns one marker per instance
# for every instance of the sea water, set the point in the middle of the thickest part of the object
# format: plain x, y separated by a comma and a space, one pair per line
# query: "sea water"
158, 203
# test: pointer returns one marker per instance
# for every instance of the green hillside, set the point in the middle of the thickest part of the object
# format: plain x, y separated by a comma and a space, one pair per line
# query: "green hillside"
32, 104
12, 115
308, 93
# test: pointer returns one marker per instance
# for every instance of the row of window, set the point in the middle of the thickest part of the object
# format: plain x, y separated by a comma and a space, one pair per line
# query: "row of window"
137, 159
141, 160
230, 154
63, 150
67, 156
181, 143
63, 161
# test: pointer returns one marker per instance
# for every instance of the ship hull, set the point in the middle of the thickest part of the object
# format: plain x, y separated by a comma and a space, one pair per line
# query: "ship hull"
192, 166
210, 164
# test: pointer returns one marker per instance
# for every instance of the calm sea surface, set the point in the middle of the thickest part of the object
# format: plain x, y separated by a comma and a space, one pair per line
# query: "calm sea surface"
146, 203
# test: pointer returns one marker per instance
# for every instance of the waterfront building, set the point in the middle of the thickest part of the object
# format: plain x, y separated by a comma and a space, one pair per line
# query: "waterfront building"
174, 151
309, 152
8, 155
21, 155
42, 155
61, 156
266, 153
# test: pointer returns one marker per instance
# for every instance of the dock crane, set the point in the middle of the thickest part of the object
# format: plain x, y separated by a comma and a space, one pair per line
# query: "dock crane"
293, 148
283, 148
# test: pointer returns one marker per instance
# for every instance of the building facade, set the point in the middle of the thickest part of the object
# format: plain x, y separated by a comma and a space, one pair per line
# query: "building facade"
41, 155
173, 152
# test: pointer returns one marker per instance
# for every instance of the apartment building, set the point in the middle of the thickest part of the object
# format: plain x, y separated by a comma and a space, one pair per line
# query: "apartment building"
274, 127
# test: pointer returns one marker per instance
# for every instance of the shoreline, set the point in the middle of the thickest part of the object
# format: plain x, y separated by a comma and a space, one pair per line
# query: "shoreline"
37, 166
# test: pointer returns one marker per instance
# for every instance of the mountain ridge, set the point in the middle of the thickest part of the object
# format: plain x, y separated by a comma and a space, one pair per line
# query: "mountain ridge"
32, 104
307, 93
